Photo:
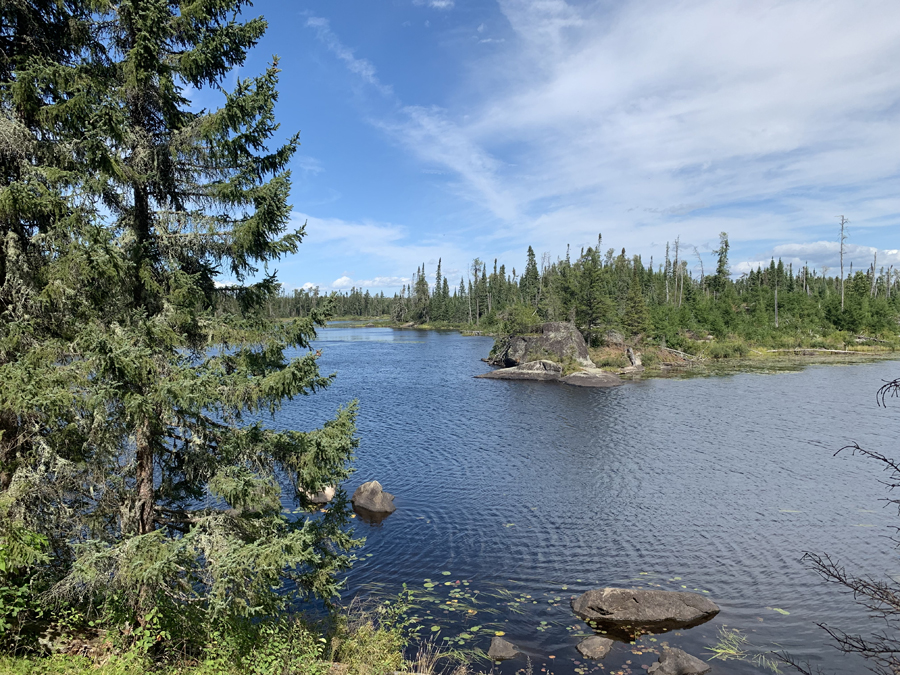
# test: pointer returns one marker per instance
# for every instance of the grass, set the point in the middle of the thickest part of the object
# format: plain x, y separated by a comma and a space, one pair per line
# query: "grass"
734, 646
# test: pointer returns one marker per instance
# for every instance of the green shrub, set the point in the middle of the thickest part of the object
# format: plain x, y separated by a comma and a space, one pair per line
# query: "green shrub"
726, 350
613, 361
371, 638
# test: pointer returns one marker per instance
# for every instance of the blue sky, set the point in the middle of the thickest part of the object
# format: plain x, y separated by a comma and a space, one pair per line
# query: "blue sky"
456, 129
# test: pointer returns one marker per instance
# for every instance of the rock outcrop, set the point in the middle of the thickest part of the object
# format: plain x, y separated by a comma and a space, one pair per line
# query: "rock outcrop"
559, 340
624, 612
595, 647
549, 371
676, 662
371, 497
535, 370
592, 377
501, 650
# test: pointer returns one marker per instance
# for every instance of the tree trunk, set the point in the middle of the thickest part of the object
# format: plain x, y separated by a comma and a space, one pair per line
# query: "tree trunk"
8, 436
144, 479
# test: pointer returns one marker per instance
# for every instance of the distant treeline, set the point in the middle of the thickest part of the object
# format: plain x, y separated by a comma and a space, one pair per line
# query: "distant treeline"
604, 291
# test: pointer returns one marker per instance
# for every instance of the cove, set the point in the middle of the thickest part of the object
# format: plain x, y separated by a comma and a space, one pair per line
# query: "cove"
528, 493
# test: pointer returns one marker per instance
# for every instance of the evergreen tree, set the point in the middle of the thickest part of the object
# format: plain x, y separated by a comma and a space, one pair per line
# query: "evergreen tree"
636, 317
530, 281
438, 299
720, 281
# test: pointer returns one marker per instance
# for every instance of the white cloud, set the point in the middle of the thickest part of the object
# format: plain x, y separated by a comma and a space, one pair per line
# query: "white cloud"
821, 254
308, 286
343, 283
430, 134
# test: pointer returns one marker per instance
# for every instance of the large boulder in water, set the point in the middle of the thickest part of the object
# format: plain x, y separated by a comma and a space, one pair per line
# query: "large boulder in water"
372, 498
628, 611
676, 662
535, 370
557, 340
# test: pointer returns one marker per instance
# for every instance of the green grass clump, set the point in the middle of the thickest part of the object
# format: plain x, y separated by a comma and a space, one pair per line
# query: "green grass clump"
727, 350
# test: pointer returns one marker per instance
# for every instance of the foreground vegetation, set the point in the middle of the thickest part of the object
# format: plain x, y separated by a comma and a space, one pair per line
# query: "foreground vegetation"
360, 640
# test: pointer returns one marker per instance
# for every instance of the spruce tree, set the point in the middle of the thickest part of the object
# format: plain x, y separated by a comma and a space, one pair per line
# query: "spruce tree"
183, 518
49, 285
636, 317
530, 280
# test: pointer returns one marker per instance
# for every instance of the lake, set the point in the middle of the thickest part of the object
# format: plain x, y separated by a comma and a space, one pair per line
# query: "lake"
513, 496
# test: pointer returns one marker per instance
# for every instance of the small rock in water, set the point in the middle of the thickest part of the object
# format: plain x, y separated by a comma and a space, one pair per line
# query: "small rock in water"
676, 662
595, 647
502, 649
323, 496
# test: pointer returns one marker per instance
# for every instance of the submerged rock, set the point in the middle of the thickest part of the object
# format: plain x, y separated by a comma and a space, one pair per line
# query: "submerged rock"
676, 662
595, 647
370, 497
323, 496
535, 370
501, 649
557, 339
623, 612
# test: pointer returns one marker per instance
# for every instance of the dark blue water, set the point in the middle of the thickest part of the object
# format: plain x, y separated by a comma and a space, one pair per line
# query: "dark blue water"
513, 496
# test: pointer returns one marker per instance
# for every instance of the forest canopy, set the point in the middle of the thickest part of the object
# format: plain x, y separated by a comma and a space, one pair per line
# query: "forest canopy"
611, 290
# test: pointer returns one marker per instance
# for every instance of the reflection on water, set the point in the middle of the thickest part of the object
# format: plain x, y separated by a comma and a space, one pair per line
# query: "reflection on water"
516, 496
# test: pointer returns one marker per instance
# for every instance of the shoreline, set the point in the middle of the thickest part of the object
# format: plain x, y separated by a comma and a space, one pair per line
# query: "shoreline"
759, 359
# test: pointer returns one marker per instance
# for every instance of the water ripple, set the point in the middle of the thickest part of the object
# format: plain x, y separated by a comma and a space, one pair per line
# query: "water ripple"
718, 484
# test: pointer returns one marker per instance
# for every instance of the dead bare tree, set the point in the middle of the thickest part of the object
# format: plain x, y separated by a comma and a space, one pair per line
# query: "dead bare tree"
880, 597
844, 223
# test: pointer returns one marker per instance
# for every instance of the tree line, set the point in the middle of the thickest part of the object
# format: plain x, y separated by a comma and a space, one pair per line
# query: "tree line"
601, 291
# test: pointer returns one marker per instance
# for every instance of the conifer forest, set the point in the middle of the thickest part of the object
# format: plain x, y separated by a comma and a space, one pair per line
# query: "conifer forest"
664, 302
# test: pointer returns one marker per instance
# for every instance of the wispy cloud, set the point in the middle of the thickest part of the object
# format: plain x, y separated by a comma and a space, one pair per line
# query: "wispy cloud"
438, 141
390, 247
436, 4
361, 67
